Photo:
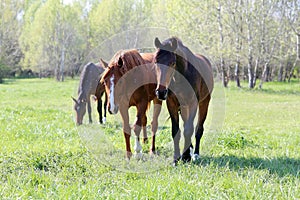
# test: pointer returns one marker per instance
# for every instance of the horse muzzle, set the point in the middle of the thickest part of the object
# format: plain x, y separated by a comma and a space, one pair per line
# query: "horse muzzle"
161, 94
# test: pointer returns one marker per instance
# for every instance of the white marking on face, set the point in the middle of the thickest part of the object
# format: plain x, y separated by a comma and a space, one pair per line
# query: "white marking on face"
112, 99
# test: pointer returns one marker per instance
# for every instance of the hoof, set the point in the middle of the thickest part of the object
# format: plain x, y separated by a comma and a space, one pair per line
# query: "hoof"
138, 156
145, 140
153, 152
195, 158
128, 155
175, 162
186, 158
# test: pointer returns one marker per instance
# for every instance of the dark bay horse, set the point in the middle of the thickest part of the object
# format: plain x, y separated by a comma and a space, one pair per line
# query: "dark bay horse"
185, 80
130, 80
90, 85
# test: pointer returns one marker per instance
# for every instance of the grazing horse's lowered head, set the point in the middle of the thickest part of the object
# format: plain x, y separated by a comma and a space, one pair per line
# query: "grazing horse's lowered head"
80, 108
89, 85
165, 60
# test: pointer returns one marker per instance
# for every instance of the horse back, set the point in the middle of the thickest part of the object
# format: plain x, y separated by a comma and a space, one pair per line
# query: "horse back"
148, 57
150, 75
89, 78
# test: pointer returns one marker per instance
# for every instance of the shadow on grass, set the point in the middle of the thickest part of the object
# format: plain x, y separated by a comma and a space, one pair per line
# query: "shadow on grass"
281, 92
7, 81
281, 166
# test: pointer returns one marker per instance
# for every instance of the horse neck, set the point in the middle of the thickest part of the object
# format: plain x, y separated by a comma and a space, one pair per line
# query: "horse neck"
184, 56
82, 95
181, 62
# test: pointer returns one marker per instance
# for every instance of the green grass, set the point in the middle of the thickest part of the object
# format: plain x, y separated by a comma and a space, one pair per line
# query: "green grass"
43, 155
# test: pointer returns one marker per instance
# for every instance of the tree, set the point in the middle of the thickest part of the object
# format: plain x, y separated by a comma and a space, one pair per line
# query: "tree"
222, 63
294, 22
10, 29
53, 35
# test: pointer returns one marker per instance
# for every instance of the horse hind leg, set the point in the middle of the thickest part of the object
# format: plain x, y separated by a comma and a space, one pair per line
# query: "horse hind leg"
203, 108
126, 130
138, 126
105, 107
144, 129
137, 131
99, 109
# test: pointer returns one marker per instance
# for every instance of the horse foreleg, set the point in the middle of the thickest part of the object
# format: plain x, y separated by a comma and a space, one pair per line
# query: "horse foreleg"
89, 108
105, 107
99, 109
126, 130
154, 123
173, 109
203, 107
188, 114
144, 129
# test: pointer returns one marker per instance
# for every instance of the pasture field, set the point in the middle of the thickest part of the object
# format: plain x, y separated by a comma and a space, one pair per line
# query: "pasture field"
256, 154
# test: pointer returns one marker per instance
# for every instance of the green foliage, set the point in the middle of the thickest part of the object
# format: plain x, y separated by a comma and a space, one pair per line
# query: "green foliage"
42, 156
112, 17
57, 38
54, 36
10, 52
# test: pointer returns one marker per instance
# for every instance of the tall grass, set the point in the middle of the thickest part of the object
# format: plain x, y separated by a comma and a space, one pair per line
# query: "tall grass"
43, 155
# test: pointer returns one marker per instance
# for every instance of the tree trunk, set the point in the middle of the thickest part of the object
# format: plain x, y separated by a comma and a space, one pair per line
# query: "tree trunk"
237, 74
62, 64
224, 75
264, 76
280, 72
222, 64
250, 75
255, 72
57, 73
297, 58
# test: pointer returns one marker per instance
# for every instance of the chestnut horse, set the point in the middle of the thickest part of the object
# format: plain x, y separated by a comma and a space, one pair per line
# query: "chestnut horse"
130, 80
185, 81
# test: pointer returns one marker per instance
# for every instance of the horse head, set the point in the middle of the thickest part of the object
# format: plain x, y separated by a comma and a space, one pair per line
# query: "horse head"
165, 63
80, 109
120, 64
109, 79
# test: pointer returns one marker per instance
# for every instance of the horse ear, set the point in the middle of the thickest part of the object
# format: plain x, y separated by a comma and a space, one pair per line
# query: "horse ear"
157, 43
120, 62
103, 63
173, 44
74, 100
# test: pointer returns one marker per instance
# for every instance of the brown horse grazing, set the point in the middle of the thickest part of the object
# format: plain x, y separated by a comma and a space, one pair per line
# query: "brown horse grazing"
90, 85
185, 80
130, 81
